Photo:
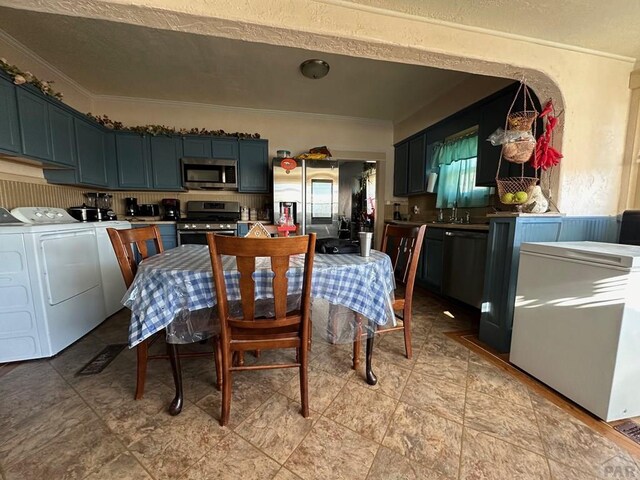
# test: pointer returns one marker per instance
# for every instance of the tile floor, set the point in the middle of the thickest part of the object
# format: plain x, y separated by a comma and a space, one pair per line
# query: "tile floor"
445, 414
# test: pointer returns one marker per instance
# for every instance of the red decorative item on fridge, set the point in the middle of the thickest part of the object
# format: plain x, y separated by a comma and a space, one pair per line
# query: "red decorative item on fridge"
288, 164
546, 156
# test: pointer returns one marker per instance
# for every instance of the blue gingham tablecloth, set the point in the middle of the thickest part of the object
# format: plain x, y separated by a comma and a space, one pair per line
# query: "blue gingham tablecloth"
176, 282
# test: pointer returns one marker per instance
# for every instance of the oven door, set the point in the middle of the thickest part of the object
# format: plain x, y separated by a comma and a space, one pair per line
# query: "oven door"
199, 237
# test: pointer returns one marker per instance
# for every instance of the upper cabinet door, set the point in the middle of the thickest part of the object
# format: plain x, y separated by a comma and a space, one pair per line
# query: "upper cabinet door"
131, 153
62, 136
34, 125
400, 170
253, 166
197, 147
417, 164
9, 126
90, 147
224, 148
165, 163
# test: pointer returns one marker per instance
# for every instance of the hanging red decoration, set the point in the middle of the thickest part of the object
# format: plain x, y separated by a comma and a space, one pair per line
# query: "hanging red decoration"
546, 156
288, 164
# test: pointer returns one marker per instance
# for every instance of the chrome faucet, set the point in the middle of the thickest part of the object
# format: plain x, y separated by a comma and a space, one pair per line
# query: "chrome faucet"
454, 214
467, 217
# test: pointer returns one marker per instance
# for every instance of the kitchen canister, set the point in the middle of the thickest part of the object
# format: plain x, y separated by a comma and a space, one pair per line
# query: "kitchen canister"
253, 214
244, 214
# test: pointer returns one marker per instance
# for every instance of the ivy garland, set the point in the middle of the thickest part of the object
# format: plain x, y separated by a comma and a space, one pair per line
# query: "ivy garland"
19, 77
155, 130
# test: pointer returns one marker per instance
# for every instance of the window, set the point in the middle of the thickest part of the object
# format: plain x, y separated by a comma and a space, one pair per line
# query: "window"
457, 160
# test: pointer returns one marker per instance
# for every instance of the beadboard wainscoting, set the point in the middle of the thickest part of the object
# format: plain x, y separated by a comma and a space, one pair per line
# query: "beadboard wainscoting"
17, 193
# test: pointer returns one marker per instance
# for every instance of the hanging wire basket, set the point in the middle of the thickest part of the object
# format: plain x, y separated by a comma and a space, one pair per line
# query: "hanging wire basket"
520, 151
511, 189
522, 121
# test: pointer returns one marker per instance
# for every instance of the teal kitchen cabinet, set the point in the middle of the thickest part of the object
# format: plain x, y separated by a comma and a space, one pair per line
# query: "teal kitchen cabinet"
91, 152
417, 165
253, 166
432, 260
35, 131
401, 170
165, 153
132, 161
197, 147
9, 124
224, 148
63, 139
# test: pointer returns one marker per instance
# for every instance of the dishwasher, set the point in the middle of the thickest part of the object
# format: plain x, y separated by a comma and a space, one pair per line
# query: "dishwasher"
465, 254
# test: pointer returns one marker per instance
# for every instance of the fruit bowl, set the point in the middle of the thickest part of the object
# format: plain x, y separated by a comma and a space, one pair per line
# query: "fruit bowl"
515, 190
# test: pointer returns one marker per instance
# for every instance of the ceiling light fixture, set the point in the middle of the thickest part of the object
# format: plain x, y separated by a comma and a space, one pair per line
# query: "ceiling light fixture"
314, 68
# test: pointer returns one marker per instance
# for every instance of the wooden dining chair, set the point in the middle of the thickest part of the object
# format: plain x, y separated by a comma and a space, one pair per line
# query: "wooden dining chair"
284, 330
132, 246
403, 244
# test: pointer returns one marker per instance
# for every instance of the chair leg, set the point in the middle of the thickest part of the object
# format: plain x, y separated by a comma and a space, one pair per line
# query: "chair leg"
406, 323
357, 342
226, 389
218, 361
304, 381
142, 351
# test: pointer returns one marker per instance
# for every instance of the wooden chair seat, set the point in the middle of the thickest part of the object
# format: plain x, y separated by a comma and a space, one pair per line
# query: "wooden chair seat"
130, 247
403, 244
251, 333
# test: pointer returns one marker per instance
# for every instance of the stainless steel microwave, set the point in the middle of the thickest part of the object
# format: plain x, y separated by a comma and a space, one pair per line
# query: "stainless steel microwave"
209, 174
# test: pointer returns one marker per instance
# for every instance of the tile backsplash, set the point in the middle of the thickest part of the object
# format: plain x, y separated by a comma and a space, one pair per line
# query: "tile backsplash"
17, 193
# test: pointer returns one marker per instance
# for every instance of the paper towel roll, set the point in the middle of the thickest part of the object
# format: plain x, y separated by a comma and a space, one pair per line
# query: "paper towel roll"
431, 183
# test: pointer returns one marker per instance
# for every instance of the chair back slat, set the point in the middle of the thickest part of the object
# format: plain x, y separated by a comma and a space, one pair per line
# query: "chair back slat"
245, 251
404, 244
122, 241
246, 268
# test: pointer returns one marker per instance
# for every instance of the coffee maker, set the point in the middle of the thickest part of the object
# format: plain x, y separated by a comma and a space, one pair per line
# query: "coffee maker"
131, 206
171, 208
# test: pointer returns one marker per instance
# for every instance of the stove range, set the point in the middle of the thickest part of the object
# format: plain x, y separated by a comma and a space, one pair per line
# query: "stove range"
220, 217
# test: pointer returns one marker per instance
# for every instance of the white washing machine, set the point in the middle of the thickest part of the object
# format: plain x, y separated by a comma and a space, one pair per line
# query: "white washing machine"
113, 285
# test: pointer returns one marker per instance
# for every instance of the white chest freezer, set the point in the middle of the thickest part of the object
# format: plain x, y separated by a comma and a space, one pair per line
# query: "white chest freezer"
576, 325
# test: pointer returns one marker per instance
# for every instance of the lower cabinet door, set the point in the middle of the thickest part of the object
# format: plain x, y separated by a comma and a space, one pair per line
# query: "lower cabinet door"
433, 264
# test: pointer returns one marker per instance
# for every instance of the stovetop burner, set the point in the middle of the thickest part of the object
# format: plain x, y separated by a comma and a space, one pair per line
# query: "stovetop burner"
210, 215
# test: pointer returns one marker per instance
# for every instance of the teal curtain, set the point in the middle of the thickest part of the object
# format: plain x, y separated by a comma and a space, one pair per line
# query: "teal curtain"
458, 161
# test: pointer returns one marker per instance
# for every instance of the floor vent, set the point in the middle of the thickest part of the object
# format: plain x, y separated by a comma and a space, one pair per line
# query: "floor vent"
630, 429
100, 361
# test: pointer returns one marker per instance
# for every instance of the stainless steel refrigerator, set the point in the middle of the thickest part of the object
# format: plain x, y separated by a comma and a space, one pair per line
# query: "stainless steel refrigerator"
318, 194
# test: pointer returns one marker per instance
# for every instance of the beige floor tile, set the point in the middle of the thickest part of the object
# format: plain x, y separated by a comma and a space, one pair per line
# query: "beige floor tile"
363, 411
277, 427
284, 474
169, 450
391, 351
336, 361
124, 466
75, 454
73, 358
233, 458
389, 465
323, 388
332, 451
563, 472
570, 442
424, 437
439, 344
391, 378
487, 457
505, 420
493, 381
246, 397
435, 396
445, 368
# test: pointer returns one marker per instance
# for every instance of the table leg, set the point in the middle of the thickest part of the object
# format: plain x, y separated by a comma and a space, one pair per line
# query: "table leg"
176, 405
371, 377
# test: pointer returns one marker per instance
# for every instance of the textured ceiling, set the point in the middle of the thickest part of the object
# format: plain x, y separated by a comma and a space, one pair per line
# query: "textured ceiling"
120, 59
611, 26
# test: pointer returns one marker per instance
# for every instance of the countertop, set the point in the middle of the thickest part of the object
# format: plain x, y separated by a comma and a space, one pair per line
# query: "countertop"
149, 220
450, 226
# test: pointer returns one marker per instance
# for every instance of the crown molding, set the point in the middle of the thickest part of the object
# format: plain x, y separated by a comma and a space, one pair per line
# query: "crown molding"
481, 30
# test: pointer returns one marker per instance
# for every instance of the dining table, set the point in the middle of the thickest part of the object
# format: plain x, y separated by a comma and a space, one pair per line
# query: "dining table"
174, 291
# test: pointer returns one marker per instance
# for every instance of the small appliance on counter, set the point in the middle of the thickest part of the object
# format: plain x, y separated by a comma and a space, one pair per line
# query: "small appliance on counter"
84, 213
170, 208
396, 211
131, 206
149, 210
102, 203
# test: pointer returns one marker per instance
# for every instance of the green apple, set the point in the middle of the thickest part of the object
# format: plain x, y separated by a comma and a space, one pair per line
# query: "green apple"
507, 198
521, 197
